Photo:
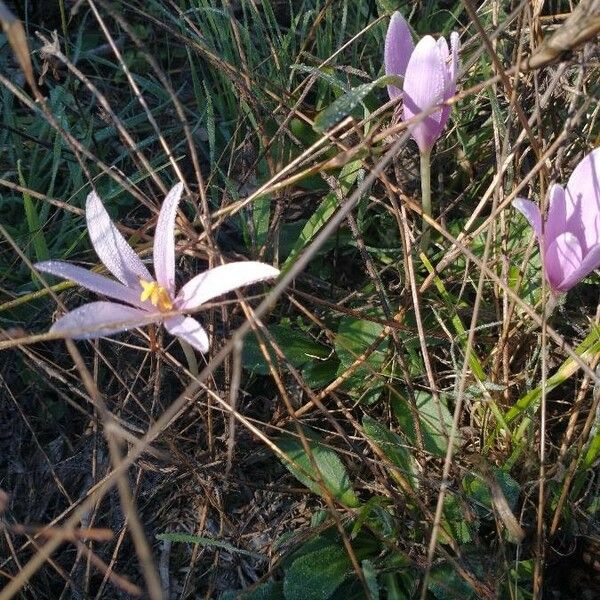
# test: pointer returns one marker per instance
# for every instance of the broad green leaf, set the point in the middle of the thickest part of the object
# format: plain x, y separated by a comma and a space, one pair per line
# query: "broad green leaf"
271, 590
353, 338
319, 373
346, 103
457, 522
479, 492
435, 418
318, 574
446, 584
394, 448
376, 513
331, 470
299, 348
370, 575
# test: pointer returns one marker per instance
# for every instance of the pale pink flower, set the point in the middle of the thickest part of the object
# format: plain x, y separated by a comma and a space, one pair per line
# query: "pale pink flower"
149, 298
429, 70
570, 235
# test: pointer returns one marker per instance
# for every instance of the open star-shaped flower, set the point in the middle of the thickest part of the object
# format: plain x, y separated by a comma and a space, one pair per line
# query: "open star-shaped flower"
148, 299
570, 235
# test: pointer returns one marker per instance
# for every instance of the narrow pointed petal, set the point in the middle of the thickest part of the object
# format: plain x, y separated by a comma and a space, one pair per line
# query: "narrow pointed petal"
590, 263
583, 198
92, 281
164, 241
424, 85
111, 246
556, 221
398, 48
190, 330
562, 262
450, 72
220, 280
454, 60
99, 319
531, 212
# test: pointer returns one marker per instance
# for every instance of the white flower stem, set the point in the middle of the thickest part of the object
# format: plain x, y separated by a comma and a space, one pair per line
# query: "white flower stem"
425, 196
190, 357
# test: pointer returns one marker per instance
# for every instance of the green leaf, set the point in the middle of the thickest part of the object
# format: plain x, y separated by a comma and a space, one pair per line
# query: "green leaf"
298, 347
446, 584
353, 338
204, 541
321, 216
33, 223
347, 102
317, 574
319, 373
271, 590
375, 513
435, 419
479, 492
370, 575
329, 468
392, 445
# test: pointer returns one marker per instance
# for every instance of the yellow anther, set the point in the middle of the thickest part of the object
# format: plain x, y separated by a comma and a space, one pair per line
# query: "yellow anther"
157, 295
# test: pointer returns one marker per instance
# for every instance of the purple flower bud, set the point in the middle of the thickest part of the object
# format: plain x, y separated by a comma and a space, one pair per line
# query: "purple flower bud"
429, 71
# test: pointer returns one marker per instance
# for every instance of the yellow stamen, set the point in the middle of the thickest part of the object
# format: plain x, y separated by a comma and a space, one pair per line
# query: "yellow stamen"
157, 295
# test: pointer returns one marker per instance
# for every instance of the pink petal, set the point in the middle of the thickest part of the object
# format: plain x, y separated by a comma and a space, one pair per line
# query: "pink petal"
454, 60
218, 281
424, 86
398, 48
450, 72
583, 197
556, 221
111, 246
164, 241
99, 319
590, 262
91, 281
531, 212
563, 261
189, 330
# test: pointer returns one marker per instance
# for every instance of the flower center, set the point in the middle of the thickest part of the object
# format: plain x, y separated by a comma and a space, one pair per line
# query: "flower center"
156, 294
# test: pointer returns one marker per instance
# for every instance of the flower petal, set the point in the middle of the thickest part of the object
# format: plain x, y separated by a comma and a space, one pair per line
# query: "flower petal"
556, 221
454, 60
222, 279
92, 281
398, 48
424, 86
99, 319
583, 199
164, 241
563, 261
111, 246
450, 71
531, 212
190, 330
590, 263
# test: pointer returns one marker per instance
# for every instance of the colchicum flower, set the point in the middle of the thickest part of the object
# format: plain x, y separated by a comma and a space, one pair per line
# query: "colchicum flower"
570, 235
429, 71
149, 298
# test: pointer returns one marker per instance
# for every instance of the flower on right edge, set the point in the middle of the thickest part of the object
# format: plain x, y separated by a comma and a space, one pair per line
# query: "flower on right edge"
570, 234
429, 70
